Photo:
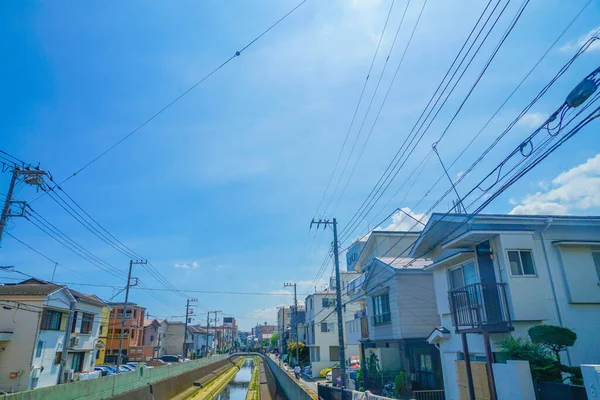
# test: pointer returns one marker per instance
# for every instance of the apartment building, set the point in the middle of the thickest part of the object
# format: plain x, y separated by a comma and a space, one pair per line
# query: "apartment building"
132, 334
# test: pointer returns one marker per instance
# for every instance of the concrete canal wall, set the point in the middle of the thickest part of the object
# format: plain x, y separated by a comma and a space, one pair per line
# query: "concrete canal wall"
150, 383
286, 384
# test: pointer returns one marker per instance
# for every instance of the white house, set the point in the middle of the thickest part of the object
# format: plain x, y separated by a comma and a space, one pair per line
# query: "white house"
33, 320
497, 275
321, 331
200, 338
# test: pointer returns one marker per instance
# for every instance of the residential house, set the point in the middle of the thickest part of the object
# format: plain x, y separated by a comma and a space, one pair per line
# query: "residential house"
151, 340
202, 340
133, 333
283, 325
33, 323
397, 308
402, 312
299, 324
103, 333
321, 330
499, 275
173, 339
230, 330
263, 332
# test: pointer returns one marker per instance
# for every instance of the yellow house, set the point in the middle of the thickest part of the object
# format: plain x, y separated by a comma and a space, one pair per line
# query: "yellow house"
103, 335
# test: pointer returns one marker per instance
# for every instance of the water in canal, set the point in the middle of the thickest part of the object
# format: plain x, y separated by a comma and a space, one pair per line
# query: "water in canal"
238, 387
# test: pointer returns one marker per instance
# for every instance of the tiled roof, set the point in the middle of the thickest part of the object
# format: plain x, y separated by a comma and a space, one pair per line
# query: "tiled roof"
29, 289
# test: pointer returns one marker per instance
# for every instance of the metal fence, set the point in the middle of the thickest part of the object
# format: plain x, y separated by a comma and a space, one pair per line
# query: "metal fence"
559, 391
429, 395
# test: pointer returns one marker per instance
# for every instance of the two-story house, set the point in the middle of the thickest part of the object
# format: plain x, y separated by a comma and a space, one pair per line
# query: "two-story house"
497, 275
402, 312
321, 327
151, 340
34, 317
173, 338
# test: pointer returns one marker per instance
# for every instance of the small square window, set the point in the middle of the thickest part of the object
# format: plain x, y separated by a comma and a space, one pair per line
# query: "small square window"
38, 349
596, 256
521, 263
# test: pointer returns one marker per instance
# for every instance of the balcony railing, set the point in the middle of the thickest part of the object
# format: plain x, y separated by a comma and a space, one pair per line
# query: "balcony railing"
480, 307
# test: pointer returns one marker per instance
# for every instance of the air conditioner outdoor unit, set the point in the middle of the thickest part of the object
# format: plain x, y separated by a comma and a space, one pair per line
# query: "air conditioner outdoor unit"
70, 374
74, 341
35, 372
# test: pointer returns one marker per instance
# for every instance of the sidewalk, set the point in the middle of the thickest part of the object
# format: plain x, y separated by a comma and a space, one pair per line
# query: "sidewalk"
308, 382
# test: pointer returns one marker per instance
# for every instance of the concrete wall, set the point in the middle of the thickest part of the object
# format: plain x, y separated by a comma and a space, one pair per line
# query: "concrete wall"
111, 386
286, 383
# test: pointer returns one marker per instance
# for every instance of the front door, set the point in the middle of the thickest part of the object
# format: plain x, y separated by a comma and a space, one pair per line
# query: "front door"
493, 312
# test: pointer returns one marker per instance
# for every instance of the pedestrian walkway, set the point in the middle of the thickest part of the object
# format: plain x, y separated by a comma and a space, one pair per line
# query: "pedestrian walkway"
307, 382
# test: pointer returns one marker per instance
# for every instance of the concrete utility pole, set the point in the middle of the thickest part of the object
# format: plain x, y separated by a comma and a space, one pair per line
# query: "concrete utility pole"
32, 177
216, 312
207, 352
295, 320
120, 355
338, 292
187, 313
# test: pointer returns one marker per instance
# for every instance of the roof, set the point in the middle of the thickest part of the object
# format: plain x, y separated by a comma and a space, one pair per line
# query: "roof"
29, 289
197, 329
148, 322
402, 263
86, 298
350, 272
129, 304
443, 227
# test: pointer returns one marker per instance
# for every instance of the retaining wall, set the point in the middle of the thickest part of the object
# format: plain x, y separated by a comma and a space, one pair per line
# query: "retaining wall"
290, 388
157, 383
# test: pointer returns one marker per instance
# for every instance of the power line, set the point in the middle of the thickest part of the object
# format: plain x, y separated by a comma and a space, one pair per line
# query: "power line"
195, 85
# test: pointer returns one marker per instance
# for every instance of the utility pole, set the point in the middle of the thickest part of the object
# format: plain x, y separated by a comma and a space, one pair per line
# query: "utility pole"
216, 312
207, 352
131, 264
187, 313
66, 340
295, 320
338, 292
32, 177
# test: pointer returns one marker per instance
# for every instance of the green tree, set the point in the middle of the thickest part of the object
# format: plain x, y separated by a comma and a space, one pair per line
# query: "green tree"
400, 384
543, 366
373, 372
554, 338
275, 340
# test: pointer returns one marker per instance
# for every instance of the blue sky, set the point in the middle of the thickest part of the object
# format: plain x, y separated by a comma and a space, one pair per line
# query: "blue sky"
226, 181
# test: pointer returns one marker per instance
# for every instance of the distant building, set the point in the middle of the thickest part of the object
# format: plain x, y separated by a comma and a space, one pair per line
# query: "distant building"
133, 333
151, 340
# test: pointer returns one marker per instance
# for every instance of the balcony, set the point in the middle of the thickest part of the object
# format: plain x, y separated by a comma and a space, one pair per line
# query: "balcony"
480, 307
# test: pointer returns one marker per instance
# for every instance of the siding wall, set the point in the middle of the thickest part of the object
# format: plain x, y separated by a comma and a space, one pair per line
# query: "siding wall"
416, 304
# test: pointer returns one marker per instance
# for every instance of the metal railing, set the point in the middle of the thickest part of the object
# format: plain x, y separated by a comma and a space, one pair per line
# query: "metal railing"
429, 394
480, 306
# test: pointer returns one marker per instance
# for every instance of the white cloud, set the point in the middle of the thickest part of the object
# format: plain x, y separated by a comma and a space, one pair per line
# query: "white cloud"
281, 292
532, 120
193, 265
577, 189
402, 222
575, 45
265, 314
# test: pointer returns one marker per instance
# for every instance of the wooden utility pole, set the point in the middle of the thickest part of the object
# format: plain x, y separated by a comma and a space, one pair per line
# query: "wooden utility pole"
123, 317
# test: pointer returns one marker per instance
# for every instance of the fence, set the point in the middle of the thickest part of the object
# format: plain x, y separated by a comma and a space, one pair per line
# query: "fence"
429, 395
559, 391
110, 386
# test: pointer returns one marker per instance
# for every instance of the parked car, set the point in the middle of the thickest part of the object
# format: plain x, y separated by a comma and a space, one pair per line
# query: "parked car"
171, 359
105, 370
125, 368
155, 363
324, 371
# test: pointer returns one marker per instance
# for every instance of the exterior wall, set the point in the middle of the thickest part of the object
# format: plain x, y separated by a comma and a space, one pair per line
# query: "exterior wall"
134, 326
103, 335
416, 304
87, 342
18, 352
173, 340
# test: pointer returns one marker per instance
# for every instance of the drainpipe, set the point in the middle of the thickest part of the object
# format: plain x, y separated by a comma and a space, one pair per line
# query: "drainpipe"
552, 286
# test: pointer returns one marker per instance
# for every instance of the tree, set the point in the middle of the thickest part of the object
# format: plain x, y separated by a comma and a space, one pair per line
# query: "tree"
543, 366
373, 372
275, 340
554, 338
302, 351
400, 384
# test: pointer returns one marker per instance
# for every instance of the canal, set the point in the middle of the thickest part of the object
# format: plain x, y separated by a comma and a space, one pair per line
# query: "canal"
238, 387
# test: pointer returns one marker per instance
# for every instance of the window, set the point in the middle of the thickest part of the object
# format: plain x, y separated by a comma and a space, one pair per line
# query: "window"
74, 325
110, 333
596, 256
38, 349
381, 309
152, 338
463, 275
51, 320
334, 353
327, 326
77, 362
521, 262
327, 302
87, 321
57, 357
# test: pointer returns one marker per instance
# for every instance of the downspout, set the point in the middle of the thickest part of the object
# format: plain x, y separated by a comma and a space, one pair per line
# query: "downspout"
552, 286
